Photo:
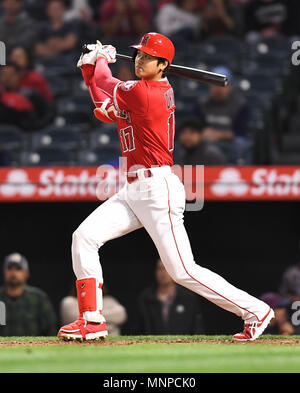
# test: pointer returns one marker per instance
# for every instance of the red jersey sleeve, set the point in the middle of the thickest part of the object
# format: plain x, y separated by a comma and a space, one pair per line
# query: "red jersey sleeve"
131, 96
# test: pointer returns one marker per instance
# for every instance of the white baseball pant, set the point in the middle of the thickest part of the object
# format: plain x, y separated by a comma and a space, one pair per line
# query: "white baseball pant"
156, 203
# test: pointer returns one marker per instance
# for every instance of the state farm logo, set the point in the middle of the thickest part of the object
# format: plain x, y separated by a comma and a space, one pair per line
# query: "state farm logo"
258, 183
17, 183
57, 183
230, 182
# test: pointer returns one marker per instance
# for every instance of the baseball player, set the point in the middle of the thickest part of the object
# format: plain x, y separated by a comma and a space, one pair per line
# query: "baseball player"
153, 197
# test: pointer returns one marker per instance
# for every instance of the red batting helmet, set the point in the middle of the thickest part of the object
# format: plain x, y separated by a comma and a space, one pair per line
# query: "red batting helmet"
157, 45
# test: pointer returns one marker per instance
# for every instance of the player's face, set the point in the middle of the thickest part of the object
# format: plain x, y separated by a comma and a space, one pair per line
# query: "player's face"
147, 67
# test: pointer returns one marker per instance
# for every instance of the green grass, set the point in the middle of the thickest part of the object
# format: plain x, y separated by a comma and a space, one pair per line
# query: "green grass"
194, 357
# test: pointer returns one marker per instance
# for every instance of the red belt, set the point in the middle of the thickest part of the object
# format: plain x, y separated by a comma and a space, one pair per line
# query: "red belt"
132, 178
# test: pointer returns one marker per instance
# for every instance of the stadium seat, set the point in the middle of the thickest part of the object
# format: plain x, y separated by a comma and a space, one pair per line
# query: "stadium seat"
12, 138
100, 156
276, 46
225, 43
74, 104
260, 85
79, 119
266, 66
58, 85
47, 157
68, 138
105, 136
60, 65
78, 87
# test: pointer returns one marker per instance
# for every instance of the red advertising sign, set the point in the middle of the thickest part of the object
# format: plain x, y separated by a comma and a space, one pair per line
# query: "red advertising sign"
92, 183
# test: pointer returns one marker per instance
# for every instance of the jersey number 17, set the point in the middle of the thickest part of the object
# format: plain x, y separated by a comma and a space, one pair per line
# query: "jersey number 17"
127, 136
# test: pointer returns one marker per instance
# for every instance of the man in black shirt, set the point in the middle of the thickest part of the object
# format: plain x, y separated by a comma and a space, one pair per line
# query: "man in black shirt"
194, 150
167, 308
57, 36
226, 118
272, 17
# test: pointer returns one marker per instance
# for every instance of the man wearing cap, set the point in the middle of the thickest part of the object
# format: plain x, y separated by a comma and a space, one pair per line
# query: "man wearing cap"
226, 117
28, 309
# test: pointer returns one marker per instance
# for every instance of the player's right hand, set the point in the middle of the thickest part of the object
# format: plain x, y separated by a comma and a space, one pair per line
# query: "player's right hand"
107, 51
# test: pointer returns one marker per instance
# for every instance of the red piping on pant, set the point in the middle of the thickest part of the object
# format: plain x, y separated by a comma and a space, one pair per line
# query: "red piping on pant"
185, 267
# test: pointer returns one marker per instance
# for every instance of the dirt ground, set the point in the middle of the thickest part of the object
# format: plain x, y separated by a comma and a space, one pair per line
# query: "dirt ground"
42, 343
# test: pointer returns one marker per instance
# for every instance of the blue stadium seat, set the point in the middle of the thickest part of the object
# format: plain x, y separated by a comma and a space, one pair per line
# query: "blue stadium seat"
68, 138
74, 104
12, 138
266, 66
58, 85
105, 136
277, 46
60, 65
99, 156
79, 119
47, 157
225, 43
78, 87
260, 84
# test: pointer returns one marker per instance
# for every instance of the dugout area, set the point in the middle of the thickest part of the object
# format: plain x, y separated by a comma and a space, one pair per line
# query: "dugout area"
248, 243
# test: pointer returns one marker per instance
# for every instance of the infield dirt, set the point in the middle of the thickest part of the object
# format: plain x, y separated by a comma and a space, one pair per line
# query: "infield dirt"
45, 342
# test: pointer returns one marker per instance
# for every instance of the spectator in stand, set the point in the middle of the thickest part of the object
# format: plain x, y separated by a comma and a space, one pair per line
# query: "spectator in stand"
30, 78
290, 284
79, 9
130, 18
280, 324
20, 106
226, 120
16, 28
180, 18
28, 309
167, 308
114, 313
217, 19
272, 17
56, 36
194, 150
290, 287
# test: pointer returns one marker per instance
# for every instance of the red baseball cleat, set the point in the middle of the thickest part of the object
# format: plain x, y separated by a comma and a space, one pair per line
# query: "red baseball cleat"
253, 330
83, 330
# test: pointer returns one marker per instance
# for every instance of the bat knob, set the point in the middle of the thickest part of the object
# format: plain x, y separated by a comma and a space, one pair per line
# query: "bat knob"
85, 49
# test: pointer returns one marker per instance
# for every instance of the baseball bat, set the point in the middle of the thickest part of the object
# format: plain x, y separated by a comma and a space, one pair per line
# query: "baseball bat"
186, 72
191, 73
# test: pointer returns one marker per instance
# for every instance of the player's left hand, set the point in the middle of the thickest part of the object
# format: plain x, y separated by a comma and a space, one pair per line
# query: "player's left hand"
89, 56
